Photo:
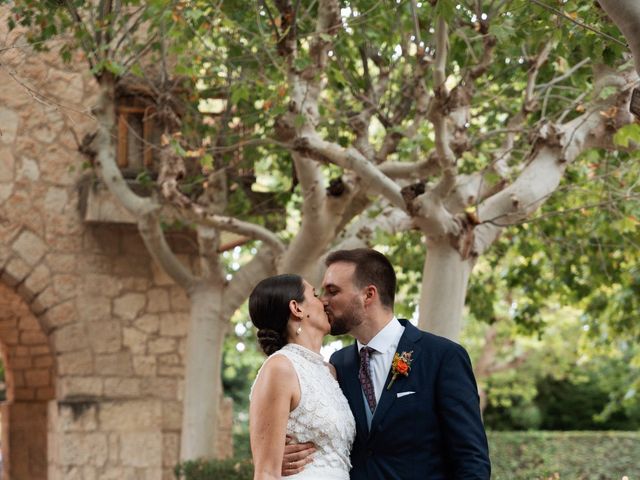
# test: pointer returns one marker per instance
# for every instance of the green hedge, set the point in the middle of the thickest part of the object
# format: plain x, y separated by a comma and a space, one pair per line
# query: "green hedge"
514, 456
565, 455
233, 469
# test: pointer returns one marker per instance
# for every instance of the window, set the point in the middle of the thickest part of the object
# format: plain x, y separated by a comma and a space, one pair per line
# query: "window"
137, 136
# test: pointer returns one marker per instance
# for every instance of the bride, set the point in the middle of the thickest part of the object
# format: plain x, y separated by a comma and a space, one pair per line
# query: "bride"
295, 395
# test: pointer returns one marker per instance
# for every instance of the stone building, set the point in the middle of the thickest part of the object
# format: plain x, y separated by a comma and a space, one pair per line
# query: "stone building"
91, 331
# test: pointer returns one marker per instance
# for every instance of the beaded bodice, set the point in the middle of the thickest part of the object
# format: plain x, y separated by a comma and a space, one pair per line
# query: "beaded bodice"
322, 416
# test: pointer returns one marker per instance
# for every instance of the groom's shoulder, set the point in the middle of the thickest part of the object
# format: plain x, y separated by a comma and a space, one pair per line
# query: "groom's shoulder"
339, 356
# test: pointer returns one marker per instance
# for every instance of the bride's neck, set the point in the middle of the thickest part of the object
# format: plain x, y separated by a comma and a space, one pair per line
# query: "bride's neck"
313, 343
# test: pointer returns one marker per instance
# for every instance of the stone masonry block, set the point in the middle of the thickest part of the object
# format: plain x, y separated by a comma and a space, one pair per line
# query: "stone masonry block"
29, 322
75, 363
170, 449
32, 337
38, 377
114, 449
79, 386
44, 300
39, 278
158, 300
179, 300
174, 324
105, 336
122, 387
148, 323
171, 415
93, 308
161, 345
7, 165
129, 305
15, 272
60, 315
101, 284
20, 363
162, 387
24, 394
9, 122
83, 449
43, 361
9, 336
66, 285
144, 365
117, 364
56, 200
170, 371
130, 416
62, 262
70, 338
45, 393
30, 247
134, 340
35, 350
141, 449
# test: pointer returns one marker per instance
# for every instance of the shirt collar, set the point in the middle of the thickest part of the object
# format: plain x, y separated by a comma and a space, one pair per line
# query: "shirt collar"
386, 339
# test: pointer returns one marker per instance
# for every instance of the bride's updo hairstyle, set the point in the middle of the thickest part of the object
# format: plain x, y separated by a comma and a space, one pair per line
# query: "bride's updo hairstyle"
269, 309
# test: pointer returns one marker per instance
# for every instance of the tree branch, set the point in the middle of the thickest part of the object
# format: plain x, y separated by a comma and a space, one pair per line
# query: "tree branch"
244, 280
352, 159
155, 241
556, 147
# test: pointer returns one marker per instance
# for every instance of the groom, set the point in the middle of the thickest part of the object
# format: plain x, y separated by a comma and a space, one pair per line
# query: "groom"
425, 423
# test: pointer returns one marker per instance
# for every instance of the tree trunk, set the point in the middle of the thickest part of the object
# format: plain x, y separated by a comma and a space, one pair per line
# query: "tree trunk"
444, 286
203, 386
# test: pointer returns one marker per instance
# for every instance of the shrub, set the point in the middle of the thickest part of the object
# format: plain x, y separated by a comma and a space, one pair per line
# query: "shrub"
564, 455
232, 469
514, 456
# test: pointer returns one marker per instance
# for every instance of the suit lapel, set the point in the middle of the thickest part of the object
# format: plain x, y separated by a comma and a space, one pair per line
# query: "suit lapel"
407, 343
353, 390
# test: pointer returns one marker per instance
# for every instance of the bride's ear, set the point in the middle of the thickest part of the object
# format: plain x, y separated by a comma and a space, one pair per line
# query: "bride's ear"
294, 308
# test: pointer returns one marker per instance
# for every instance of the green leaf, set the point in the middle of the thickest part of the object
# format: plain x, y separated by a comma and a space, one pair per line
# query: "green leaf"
606, 92
240, 93
446, 9
207, 161
300, 63
626, 134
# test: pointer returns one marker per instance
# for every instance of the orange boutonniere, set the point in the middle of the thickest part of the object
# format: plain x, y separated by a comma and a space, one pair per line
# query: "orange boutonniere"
400, 366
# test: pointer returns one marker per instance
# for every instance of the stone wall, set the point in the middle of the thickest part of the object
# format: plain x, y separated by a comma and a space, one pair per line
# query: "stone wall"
93, 334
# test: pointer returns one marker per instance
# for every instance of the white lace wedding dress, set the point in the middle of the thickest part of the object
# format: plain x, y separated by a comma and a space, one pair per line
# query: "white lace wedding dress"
323, 417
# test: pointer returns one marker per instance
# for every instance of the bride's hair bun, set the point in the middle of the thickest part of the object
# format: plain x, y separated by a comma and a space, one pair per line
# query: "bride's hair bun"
270, 341
269, 309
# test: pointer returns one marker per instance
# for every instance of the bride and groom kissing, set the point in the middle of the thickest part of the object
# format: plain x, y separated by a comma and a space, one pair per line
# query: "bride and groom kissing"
399, 403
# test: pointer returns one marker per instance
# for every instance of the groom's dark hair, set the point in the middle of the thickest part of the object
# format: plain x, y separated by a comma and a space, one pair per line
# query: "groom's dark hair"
372, 268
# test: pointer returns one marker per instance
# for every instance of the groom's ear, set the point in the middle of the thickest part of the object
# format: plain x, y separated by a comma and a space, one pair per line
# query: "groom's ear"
370, 294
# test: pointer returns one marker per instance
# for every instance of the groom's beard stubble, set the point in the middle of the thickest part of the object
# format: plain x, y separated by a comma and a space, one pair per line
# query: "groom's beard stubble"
344, 323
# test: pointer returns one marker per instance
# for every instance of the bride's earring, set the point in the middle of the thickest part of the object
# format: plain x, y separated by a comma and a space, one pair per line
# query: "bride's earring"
299, 330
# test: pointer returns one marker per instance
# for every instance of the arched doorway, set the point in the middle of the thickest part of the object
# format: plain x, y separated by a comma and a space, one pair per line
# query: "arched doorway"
29, 378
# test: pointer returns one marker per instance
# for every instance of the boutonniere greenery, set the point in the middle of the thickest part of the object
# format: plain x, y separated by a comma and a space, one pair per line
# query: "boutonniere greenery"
400, 366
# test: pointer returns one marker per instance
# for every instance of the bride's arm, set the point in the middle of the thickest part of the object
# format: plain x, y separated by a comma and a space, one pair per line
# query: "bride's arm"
274, 395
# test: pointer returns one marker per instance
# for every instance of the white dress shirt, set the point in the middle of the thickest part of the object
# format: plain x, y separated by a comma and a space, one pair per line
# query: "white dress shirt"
385, 344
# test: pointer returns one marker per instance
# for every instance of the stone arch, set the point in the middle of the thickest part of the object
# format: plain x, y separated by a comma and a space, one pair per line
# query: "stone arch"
30, 381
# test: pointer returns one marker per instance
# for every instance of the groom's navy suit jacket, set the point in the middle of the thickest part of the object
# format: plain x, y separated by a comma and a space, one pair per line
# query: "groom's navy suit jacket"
434, 433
